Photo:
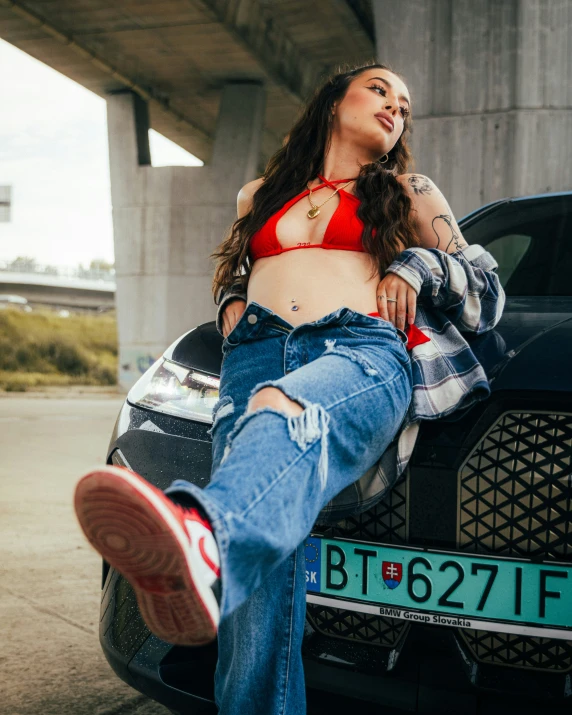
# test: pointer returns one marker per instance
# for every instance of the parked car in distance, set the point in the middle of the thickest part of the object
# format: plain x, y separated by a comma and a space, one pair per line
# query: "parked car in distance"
469, 602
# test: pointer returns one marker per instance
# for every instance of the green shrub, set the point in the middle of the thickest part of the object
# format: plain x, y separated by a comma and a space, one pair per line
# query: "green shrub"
15, 387
81, 349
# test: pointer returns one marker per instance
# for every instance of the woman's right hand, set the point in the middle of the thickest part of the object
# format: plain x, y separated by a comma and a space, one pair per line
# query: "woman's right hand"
232, 314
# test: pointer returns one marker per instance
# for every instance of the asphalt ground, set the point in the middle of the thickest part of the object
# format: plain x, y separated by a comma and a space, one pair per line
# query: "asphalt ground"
50, 660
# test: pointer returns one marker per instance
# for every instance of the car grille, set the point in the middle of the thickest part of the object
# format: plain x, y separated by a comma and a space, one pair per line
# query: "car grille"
515, 498
386, 522
518, 652
362, 627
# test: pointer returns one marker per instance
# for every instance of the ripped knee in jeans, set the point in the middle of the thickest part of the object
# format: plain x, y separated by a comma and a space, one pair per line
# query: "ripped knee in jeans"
270, 396
309, 424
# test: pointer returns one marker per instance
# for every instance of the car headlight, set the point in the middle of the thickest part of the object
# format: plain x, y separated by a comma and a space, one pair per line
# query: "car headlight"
176, 390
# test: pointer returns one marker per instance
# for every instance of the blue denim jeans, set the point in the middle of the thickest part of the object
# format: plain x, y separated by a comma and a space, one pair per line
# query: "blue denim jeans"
272, 473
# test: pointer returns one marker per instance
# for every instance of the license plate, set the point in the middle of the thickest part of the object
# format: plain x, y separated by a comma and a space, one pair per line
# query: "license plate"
441, 588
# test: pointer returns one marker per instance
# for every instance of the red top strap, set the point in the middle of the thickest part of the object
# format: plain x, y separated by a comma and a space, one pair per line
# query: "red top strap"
335, 181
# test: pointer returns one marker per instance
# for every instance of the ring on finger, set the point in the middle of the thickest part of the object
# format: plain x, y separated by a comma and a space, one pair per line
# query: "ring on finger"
391, 300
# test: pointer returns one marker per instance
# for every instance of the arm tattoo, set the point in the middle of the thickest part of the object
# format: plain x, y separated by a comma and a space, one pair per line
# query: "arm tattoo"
420, 184
454, 235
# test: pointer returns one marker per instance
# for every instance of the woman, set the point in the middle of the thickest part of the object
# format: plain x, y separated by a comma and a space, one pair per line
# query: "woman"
331, 358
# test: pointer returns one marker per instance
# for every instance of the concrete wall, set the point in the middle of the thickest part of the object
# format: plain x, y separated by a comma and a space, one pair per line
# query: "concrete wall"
167, 220
491, 91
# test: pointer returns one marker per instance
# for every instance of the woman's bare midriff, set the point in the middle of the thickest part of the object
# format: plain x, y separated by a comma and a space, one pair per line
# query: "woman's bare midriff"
320, 280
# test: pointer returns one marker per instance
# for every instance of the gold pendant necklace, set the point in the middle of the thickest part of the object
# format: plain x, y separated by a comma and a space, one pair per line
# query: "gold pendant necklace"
315, 210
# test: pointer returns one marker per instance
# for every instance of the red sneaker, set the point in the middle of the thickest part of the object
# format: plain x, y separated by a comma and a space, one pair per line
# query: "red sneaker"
167, 552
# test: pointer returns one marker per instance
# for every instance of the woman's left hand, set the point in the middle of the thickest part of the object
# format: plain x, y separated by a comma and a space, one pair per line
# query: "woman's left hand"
396, 300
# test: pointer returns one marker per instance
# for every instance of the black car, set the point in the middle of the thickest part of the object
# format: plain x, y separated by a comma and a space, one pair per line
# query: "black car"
487, 495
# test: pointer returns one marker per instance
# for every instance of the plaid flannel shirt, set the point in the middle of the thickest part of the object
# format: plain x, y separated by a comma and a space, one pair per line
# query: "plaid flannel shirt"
457, 293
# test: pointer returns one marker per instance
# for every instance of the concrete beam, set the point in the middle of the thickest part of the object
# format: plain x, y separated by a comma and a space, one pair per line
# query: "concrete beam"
177, 54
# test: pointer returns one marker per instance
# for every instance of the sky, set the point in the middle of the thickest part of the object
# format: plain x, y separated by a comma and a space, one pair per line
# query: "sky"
53, 152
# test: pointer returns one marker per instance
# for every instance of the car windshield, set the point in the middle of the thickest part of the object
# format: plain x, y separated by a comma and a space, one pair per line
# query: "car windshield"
531, 239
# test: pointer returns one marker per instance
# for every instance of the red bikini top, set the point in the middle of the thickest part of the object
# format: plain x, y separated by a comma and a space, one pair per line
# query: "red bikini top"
343, 232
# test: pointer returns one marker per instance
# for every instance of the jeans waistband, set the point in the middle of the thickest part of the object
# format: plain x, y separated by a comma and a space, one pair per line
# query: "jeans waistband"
256, 317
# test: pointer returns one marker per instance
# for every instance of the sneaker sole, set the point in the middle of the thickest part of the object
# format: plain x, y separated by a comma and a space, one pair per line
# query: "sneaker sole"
127, 523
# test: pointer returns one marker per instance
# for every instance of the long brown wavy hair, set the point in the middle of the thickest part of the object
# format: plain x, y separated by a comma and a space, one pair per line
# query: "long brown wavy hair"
384, 206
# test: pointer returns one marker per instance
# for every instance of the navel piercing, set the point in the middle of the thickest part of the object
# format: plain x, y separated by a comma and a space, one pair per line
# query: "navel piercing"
294, 307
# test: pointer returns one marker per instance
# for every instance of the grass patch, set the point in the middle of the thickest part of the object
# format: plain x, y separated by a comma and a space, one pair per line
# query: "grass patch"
42, 348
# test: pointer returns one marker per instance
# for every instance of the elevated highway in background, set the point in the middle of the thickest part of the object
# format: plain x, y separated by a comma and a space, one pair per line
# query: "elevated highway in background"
59, 292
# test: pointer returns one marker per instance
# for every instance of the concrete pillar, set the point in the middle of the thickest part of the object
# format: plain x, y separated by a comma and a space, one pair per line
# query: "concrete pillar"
492, 99
167, 221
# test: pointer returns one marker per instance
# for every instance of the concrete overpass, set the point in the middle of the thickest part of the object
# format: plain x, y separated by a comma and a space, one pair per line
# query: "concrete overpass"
492, 110
59, 292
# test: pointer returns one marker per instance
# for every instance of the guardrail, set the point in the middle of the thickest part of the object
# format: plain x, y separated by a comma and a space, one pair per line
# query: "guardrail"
40, 269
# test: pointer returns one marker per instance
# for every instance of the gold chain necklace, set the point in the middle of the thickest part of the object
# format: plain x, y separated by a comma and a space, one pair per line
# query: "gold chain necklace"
315, 210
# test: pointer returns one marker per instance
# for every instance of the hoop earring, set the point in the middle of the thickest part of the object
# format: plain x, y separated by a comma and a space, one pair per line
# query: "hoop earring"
384, 161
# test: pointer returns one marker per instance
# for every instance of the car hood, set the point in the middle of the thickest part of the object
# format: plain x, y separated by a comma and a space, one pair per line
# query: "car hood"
530, 348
